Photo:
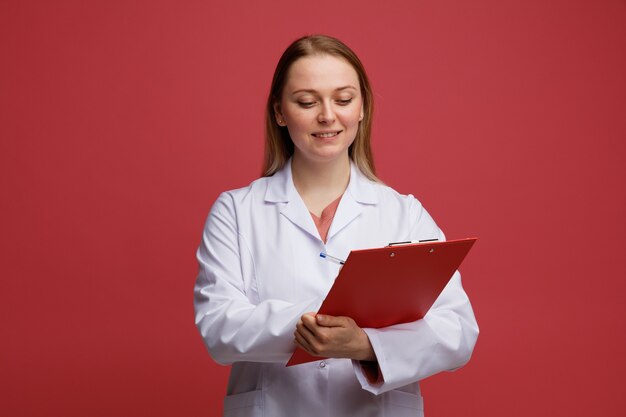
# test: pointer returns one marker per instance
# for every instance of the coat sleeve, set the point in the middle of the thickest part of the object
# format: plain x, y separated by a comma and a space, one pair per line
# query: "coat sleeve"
442, 341
235, 327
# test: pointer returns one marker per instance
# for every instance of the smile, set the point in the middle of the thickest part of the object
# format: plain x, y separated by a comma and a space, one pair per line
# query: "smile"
324, 135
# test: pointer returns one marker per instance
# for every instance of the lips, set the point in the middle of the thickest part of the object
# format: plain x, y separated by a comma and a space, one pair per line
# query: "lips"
326, 135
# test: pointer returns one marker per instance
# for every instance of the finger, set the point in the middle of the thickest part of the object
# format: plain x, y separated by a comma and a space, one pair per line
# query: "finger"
311, 324
304, 344
300, 342
332, 321
307, 335
299, 324
305, 315
306, 326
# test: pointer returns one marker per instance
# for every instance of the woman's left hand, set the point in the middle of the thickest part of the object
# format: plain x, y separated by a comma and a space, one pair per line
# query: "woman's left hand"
333, 337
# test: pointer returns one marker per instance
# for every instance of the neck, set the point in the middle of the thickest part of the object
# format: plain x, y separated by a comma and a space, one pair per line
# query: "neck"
319, 183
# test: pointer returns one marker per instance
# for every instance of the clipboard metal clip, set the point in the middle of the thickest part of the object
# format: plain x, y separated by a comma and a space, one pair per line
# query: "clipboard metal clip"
411, 242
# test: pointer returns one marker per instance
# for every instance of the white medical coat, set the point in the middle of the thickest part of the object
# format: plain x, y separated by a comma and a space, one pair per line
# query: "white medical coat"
260, 270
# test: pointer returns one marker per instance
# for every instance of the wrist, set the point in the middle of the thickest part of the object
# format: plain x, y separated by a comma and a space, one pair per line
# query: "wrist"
366, 353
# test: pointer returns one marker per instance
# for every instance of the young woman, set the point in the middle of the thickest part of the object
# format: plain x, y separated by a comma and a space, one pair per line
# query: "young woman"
261, 278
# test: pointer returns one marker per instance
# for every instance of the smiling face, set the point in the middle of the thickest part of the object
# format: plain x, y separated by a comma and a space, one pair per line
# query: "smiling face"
321, 106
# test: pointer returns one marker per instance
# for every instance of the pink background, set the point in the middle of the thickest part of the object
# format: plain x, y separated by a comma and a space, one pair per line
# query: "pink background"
121, 121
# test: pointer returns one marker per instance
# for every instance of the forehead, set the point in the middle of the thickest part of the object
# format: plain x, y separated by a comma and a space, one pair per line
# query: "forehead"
321, 72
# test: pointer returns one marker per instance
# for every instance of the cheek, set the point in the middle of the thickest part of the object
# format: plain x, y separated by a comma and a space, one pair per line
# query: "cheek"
296, 118
352, 116
297, 127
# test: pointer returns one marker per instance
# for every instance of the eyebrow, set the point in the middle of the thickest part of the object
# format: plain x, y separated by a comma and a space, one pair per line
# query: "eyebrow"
315, 91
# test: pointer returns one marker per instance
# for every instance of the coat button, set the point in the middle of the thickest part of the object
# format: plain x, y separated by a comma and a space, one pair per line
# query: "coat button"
322, 364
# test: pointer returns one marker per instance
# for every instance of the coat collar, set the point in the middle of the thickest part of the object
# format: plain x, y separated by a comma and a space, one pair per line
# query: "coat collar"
360, 192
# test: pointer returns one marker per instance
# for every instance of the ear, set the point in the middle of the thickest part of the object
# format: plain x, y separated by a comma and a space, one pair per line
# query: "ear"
280, 120
361, 116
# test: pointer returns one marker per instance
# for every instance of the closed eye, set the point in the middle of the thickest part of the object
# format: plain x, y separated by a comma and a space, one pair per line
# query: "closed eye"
344, 102
306, 104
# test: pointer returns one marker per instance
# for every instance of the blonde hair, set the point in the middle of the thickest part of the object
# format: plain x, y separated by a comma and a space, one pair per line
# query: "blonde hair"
278, 145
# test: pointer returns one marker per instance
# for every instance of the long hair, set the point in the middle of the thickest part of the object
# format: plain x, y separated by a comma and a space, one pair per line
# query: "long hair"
278, 145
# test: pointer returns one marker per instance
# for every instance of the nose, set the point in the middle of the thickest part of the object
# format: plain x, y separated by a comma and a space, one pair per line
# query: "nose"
327, 114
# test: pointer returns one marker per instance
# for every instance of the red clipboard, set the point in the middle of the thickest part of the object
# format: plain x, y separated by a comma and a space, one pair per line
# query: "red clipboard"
391, 285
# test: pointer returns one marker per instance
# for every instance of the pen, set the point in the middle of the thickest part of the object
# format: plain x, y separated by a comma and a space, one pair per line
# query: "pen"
408, 242
332, 258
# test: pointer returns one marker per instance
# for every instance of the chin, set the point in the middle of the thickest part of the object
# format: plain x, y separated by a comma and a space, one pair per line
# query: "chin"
329, 157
